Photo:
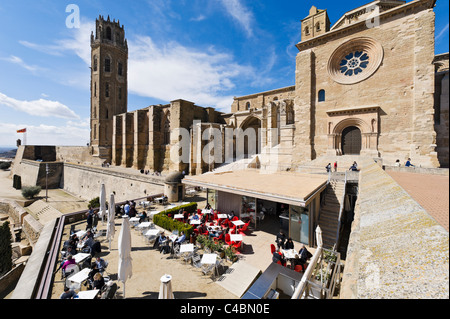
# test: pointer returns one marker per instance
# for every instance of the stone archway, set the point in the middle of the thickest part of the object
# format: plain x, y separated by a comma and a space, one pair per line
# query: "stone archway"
248, 137
353, 135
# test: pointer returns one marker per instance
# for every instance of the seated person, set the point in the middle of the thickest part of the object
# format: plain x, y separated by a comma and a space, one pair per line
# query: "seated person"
297, 261
202, 229
159, 240
68, 294
408, 163
304, 254
397, 163
231, 215
180, 239
289, 244
142, 216
101, 264
195, 216
94, 270
89, 234
98, 282
70, 250
281, 237
69, 261
215, 233
277, 256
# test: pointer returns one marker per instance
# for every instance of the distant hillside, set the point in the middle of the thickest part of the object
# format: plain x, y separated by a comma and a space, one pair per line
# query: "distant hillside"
7, 152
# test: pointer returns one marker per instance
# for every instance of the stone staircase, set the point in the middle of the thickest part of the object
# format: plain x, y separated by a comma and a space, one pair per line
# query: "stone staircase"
329, 212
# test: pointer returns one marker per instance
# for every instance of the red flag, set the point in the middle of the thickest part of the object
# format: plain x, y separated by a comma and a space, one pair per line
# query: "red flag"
22, 130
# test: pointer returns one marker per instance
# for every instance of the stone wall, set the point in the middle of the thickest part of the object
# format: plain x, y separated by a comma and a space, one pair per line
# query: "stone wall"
396, 250
85, 182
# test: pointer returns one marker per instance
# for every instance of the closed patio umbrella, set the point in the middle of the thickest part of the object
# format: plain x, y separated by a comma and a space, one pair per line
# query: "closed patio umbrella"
111, 226
102, 210
125, 270
165, 290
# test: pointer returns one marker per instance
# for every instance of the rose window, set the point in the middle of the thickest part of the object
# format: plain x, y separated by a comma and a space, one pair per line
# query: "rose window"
354, 63
355, 60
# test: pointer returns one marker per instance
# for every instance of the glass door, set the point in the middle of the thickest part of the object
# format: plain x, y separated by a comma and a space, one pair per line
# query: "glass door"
299, 224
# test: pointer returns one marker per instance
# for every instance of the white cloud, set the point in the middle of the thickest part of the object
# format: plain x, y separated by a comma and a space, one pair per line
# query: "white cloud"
41, 107
67, 135
78, 42
16, 60
240, 13
172, 71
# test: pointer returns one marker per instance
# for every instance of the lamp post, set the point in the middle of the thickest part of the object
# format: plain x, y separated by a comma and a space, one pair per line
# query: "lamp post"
46, 182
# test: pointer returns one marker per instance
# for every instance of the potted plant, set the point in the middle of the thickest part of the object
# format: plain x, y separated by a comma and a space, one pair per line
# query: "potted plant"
230, 254
201, 240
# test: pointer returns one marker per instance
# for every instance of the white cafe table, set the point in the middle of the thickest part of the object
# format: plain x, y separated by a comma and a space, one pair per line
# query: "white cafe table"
207, 211
88, 294
80, 233
152, 232
238, 222
80, 257
289, 253
134, 219
80, 276
173, 237
209, 259
178, 216
222, 216
195, 222
186, 248
144, 225
236, 237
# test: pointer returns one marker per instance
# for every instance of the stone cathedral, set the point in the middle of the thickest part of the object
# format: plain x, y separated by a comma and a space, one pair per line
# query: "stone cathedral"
369, 84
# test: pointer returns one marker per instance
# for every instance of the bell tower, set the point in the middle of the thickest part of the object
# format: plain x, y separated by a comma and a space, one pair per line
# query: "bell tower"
109, 82
316, 23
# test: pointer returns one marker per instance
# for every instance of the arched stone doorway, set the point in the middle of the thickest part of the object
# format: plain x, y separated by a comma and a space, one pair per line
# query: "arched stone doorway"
248, 138
351, 141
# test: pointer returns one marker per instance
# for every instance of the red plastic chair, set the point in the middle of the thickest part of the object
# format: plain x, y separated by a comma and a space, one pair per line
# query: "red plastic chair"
272, 248
237, 245
234, 218
219, 238
227, 240
244, 228
298, 268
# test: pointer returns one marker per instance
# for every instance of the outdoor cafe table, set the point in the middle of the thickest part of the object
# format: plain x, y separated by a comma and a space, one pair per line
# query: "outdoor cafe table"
289, 253
144, 225
195, 222
238, 223
207, 211
88, 294
236, 237
80, 257
80, 276
152, 232
178, 216
222, 216
186, 248
209, 259
80, 233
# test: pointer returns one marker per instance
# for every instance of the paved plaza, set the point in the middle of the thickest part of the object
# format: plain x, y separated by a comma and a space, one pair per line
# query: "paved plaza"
430, 191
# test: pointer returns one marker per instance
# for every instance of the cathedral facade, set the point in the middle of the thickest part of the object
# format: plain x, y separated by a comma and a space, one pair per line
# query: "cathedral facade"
370, 84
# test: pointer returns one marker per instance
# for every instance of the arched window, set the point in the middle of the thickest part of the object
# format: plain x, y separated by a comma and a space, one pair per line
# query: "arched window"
108, 33
107, 64
307, 30
321, 95
247, 106
166, 132
95, 63
318, 26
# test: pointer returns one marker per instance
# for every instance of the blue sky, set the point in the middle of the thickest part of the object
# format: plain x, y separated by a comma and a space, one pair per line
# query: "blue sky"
204, 51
